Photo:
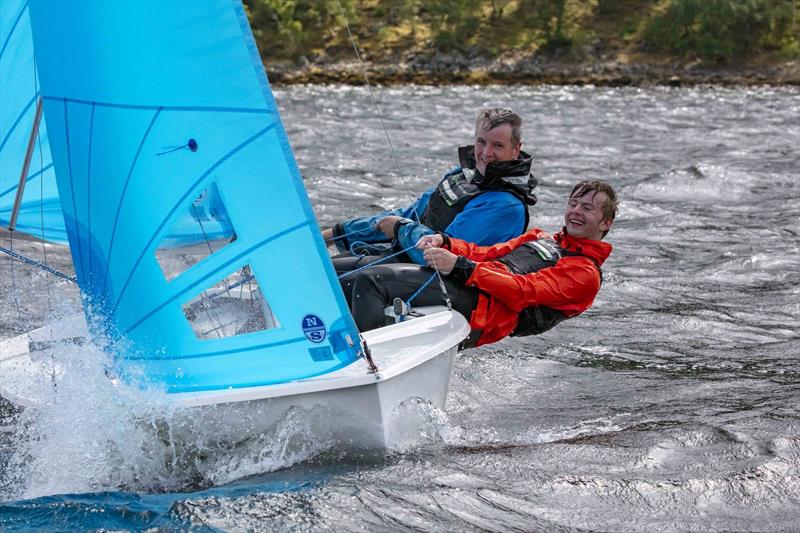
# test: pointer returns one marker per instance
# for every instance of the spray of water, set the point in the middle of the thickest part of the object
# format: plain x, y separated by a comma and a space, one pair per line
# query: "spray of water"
88, 432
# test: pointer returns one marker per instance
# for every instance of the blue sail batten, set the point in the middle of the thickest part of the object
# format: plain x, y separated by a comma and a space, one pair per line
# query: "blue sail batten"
183, 122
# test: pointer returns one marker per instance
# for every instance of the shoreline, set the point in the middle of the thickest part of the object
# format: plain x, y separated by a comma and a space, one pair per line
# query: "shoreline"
447, 71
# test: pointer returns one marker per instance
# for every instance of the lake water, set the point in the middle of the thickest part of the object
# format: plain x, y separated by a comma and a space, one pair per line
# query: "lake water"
673, 404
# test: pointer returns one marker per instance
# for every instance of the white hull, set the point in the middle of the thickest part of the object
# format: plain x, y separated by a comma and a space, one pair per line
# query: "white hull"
414, 359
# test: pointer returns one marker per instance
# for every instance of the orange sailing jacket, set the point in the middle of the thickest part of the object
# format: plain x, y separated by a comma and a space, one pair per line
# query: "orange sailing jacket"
569, 286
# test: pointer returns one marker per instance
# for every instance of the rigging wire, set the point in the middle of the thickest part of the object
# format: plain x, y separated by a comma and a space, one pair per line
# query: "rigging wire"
210, 313
34, 263
13, 274
442, 286
48, 281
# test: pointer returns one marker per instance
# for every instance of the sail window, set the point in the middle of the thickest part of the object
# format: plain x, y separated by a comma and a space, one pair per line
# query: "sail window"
206, 230
233, 306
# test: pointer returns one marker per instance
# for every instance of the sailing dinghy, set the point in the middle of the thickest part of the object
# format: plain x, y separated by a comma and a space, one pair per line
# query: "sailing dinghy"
158, 131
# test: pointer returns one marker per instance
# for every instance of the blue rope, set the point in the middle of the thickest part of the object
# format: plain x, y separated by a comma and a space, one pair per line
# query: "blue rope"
334, 239
421, 288
379, 261
31, 262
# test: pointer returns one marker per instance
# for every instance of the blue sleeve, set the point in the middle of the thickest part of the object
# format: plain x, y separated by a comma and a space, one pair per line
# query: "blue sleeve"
360, 229
492, 217
408, 235
363, 228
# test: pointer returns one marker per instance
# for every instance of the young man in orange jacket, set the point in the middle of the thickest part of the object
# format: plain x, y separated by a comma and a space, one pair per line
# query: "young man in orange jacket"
521, 287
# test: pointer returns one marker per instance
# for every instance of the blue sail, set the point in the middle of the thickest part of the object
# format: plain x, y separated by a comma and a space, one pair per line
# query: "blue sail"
154, 108
40, 208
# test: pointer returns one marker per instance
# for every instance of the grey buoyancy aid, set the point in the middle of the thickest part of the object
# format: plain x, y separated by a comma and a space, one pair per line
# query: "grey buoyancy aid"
462, 185
532, 257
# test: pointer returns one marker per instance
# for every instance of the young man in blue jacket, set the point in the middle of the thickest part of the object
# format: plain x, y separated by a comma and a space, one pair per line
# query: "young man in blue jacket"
485, 200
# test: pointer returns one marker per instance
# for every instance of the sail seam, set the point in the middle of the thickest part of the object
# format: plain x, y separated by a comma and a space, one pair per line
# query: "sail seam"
221, 352
72, 189
29, 178
89, 190
13, 28
180, 203
17, 121
216, 271
147, 107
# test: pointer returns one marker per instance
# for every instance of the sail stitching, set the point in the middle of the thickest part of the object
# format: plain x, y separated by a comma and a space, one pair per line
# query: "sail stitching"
13, 28
216, 271
146, 107
72, 186
223, 352
89, 188
18, 120
109, 255
181, 202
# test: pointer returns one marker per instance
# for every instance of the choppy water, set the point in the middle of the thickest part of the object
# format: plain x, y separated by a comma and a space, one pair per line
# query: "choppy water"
673, 404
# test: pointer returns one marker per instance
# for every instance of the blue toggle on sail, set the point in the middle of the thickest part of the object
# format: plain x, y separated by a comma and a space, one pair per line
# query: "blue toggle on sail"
156, 110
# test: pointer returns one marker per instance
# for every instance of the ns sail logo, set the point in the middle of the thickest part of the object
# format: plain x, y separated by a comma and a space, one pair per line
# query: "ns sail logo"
314, 328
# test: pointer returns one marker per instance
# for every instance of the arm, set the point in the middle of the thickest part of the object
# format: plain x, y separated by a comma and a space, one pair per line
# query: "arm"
365, 229
570, 286
358, 229
408, 235
492, 217
488, 253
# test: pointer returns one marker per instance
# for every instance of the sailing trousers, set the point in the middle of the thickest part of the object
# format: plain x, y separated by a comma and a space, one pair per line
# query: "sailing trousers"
347, 262
376, 287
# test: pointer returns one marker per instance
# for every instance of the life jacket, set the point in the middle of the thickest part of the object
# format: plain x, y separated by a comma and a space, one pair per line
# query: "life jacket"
462, 185
532, 257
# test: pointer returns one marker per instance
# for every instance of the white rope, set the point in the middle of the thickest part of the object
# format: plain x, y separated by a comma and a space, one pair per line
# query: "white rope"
389, 140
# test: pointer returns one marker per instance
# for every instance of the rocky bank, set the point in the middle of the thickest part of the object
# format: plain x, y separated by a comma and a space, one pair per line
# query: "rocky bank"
444, 68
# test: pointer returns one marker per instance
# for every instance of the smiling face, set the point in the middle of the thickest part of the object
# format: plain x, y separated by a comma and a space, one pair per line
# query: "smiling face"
494, 145
584, 216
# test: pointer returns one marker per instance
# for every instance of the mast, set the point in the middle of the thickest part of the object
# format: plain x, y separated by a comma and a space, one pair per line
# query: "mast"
26, 165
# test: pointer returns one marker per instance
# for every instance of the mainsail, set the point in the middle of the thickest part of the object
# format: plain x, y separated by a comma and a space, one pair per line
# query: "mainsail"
39, 209
155, 110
